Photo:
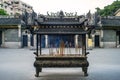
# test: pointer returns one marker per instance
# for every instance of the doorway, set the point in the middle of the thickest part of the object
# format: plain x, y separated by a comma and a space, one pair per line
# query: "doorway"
25, 41
118, 39
97, 41
119, 36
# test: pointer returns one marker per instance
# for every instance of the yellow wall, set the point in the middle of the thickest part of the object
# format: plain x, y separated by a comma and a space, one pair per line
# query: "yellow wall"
89, 42
118, 14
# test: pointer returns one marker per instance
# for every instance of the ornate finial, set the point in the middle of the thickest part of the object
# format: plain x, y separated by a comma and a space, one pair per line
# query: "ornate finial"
61, 13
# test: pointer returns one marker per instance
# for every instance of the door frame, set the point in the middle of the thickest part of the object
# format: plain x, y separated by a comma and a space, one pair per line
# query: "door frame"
97, 40
24, 40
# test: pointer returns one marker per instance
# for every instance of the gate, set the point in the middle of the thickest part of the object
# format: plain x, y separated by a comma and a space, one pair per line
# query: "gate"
97, 44
25, 41
119, 37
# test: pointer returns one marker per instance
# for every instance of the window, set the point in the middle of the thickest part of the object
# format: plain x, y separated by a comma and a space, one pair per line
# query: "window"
11, 2
11, 8
5, 6
1, 5
16, 2
11, 13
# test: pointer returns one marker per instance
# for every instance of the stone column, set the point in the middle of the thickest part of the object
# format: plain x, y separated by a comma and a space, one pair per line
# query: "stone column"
86, 41
19, 31
93, 40
76, 44
101, 38
3, 39
46, 41
19, 35
35, 37
76, 40
35, 41
29, 40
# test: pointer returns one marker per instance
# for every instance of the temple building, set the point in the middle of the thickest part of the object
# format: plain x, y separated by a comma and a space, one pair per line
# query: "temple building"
60, 20
107, 31
14, 31
10, 32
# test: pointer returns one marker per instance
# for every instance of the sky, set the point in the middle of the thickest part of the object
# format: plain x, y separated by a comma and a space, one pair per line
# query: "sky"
79, 6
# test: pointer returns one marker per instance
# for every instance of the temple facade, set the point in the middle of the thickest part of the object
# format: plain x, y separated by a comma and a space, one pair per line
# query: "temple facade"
107, 32
17, 32
61, 20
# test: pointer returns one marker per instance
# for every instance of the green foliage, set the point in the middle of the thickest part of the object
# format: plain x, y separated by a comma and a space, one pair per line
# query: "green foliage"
109, 9
3, 12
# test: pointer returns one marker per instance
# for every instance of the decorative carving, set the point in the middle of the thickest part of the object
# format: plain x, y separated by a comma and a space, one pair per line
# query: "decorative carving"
61, 14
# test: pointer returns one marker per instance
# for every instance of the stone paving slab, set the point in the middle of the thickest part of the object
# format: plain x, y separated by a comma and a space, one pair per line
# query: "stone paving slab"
17, 64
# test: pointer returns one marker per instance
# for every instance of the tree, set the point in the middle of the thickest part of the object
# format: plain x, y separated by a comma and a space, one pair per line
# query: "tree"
3, 12
109, 10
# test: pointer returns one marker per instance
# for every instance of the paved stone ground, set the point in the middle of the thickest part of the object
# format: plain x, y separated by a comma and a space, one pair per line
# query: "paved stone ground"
17, 64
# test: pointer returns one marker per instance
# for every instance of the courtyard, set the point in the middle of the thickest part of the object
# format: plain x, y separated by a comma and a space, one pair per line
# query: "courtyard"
17, 64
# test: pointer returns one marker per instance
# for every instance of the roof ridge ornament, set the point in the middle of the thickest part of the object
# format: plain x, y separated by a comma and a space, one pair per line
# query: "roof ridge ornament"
61, 14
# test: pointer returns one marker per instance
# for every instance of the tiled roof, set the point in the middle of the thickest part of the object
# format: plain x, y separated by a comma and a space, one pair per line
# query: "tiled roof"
110, 21
11, 21
61, 31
